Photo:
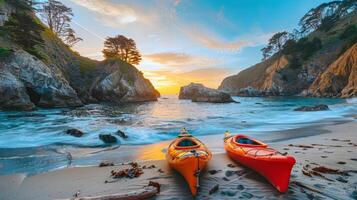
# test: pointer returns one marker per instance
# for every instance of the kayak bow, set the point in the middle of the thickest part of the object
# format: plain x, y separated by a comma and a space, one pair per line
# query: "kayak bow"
189, 157
269, 163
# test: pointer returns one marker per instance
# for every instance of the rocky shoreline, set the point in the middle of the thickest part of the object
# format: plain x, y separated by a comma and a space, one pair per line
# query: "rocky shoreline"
50, 74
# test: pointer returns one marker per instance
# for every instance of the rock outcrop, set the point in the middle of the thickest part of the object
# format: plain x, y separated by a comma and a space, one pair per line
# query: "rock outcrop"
340, 78
127, 84
199, 93
320, 107
28, 82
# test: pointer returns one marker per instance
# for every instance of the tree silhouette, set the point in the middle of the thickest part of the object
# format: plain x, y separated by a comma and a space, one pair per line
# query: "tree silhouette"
276, 43
58, 16
122, 48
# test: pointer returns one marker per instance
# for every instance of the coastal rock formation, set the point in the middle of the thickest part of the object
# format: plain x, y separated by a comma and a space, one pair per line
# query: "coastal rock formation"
53, 75
30, 82
340, 78
127, 84
199, 93
327, 70
269, 78
312, 108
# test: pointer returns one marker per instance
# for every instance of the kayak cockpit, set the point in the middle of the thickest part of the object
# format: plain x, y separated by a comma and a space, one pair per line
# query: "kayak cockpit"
186, 143
242, 140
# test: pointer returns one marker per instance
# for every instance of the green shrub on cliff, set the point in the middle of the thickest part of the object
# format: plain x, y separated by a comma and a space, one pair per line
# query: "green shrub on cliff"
5, 52
24, 31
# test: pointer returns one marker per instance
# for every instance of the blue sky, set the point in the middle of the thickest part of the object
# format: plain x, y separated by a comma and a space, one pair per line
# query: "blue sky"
185, 41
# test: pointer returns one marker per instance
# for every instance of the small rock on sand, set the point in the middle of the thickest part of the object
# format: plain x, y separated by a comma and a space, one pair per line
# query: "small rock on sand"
230, 173
214, 189
240, 187
354, 159
341, 163
231, 165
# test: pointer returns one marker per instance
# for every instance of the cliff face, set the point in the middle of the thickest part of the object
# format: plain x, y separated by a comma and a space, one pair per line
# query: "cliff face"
28, 82
281, 75
271, 77
61, 77
340, 78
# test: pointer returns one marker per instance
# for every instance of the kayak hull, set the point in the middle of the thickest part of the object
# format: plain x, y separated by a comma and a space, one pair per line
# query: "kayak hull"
188, 164
276, 168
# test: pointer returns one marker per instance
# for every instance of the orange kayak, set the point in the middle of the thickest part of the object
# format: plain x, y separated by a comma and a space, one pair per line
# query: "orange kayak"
269, 163
189, 157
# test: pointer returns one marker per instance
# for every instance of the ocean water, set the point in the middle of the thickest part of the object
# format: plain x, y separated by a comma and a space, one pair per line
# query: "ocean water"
24, 136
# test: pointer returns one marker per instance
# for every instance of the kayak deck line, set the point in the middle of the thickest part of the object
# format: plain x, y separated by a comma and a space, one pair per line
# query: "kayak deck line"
189, 156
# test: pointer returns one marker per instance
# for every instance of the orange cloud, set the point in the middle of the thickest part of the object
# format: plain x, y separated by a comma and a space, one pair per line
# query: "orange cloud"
172, 60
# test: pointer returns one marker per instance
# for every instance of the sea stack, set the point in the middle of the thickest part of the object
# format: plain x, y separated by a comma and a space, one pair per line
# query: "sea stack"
199, 93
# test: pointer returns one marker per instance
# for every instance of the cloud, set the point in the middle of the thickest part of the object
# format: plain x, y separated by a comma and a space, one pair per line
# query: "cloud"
180, 59
110, 12
214, 42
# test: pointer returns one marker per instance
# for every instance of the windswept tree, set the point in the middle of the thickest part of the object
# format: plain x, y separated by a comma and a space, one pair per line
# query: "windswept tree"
276, 43
58, 17
122, 48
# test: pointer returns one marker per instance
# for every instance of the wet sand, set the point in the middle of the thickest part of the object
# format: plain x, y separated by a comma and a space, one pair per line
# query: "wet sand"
334, 147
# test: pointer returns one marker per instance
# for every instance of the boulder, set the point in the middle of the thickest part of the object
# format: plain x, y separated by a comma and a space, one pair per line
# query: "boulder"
75, 132
108, 138
199, 93
312, 108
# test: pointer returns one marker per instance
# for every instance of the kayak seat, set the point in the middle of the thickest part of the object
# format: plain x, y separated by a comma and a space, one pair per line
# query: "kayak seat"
186, 143
246, 141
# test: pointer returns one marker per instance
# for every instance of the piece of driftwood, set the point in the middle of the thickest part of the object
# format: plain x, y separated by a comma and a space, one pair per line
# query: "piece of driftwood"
145, 193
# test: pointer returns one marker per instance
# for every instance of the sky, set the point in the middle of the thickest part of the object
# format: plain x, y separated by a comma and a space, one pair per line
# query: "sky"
184, 41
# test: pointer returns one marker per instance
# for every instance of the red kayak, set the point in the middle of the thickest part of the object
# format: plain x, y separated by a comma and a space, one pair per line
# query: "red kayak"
271, 164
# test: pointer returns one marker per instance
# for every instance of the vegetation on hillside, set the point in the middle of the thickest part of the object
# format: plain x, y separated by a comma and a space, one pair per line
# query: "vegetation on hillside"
298, 45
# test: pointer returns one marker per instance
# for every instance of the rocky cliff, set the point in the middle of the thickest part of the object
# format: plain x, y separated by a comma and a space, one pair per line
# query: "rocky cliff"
59, 77
287, 73
340, 78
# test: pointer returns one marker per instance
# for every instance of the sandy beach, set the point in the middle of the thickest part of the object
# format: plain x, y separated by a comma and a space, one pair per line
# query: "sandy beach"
335, 147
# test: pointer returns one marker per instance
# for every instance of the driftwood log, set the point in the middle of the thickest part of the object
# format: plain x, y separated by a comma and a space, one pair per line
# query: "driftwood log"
145, 193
